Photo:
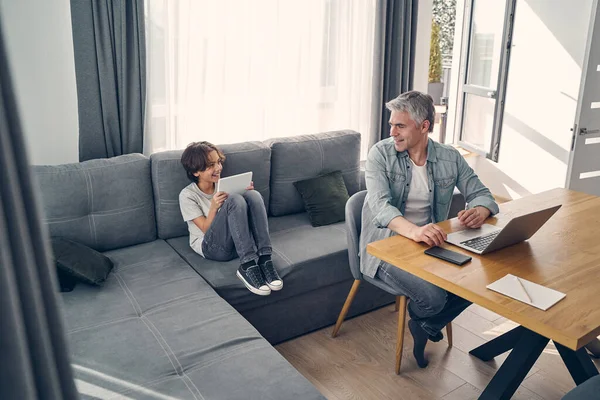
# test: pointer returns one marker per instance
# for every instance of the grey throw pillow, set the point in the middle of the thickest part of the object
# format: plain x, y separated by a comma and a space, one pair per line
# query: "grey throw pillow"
324, 198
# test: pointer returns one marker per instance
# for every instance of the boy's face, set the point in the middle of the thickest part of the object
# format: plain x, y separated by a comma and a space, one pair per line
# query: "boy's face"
212, 173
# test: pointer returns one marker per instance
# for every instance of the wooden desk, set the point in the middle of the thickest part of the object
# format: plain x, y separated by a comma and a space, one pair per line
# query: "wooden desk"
563, 255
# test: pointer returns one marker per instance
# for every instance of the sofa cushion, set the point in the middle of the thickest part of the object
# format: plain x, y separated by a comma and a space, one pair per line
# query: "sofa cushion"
80, 204
307, 258
169, 178
302, 157
152, 273
157, 329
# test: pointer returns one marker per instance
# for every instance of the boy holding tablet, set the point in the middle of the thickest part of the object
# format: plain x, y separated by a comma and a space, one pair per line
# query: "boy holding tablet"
224, 226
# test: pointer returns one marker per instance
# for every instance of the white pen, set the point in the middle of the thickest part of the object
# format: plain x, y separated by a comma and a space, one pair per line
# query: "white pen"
524, 290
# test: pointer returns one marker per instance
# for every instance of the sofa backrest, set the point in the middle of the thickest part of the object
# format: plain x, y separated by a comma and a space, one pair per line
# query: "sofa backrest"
302, 157
169, 178
104, 204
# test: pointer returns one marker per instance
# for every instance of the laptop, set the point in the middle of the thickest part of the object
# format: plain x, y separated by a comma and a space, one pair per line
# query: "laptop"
489, 238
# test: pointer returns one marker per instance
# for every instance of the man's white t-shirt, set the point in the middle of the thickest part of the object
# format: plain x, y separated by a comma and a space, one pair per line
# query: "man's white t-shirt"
194, 203
418, 209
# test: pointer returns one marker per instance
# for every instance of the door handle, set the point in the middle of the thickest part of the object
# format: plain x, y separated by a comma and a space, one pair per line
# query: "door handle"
584, 131
491, 94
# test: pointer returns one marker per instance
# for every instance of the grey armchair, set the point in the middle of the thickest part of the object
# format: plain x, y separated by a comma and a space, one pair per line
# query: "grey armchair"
588, 390
353, 227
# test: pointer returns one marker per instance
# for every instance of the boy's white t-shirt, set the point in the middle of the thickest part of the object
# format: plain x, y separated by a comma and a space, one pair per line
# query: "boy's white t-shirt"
194, 203
418, 209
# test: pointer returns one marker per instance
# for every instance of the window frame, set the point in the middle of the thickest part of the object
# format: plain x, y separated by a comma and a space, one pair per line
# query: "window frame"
499, 95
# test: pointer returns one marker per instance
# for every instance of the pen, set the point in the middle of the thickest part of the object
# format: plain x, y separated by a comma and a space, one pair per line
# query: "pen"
524, 290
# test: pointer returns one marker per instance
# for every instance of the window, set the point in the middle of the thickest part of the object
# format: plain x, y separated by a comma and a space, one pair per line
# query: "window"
486, 51
242, 70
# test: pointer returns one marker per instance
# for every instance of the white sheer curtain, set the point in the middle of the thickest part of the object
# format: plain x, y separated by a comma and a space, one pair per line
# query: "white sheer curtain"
236, 70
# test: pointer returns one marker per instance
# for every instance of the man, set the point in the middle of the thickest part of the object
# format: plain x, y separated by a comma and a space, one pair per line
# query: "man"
410, 181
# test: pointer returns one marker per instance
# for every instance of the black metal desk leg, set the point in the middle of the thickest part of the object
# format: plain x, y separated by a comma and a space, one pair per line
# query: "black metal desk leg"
578, 363
594, 348
499, 345
512, 372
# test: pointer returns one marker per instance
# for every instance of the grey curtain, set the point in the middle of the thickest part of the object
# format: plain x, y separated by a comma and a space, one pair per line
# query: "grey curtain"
110, 67
34, 362
394, 59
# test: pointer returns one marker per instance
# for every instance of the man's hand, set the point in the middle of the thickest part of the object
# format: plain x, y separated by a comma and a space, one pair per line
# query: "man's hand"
431, 234
474, 217
251, 187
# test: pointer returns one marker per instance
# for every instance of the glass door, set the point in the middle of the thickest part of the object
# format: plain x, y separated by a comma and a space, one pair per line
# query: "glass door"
486, 50
584, 166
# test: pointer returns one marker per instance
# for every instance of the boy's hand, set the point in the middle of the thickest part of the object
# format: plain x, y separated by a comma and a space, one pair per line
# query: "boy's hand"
218, 200
251, 187
474, 217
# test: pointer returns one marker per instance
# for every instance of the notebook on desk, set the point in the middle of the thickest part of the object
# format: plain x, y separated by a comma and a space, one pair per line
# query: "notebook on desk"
519, 289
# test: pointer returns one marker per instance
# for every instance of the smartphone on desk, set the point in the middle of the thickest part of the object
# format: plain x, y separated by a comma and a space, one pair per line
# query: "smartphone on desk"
448, 255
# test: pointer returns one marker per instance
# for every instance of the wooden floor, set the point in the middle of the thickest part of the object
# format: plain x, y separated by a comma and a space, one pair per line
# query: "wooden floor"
359, 363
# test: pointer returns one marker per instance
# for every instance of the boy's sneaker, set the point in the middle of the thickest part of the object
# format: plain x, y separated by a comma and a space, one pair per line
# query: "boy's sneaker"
253, 279
272, 278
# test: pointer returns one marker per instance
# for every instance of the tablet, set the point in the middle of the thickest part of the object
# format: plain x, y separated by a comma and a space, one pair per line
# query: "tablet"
234, 183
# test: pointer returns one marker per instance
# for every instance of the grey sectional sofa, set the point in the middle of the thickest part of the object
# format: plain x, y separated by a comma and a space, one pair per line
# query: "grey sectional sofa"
168, 322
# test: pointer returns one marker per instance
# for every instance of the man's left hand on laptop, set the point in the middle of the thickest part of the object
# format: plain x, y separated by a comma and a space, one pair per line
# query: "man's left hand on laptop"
474, 217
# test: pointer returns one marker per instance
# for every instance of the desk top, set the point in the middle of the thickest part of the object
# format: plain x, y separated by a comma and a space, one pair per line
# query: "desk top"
563, 255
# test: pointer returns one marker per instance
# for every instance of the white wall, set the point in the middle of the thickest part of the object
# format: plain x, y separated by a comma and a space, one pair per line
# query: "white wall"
543, 86
40, 52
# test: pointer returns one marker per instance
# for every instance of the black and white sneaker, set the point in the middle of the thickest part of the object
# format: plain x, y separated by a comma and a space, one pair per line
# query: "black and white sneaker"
253, 279
272, 278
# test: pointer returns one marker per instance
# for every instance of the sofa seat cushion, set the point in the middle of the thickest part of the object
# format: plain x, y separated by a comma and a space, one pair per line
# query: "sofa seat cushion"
306, 257
157, 329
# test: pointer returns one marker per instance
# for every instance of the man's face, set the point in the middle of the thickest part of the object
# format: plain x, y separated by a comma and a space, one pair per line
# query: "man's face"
405, 131
212, 173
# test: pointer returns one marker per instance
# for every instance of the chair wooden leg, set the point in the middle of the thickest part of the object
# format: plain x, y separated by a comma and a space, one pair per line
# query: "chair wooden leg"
449, 333
397, 307
346, 307
401, 302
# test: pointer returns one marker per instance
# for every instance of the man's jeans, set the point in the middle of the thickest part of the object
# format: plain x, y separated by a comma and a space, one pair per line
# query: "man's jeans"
239, 228
430, 306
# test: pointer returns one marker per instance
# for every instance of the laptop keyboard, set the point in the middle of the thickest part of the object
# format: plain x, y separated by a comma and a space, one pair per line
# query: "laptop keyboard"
481, 242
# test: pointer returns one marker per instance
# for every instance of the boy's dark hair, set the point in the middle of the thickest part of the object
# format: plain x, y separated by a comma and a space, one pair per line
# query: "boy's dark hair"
195, 158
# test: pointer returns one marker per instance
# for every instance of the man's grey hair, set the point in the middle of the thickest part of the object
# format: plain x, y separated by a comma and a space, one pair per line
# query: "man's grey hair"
418, 105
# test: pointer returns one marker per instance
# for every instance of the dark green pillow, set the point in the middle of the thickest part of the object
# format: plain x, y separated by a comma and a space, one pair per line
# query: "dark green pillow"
80, 262
324, 198
65, 281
